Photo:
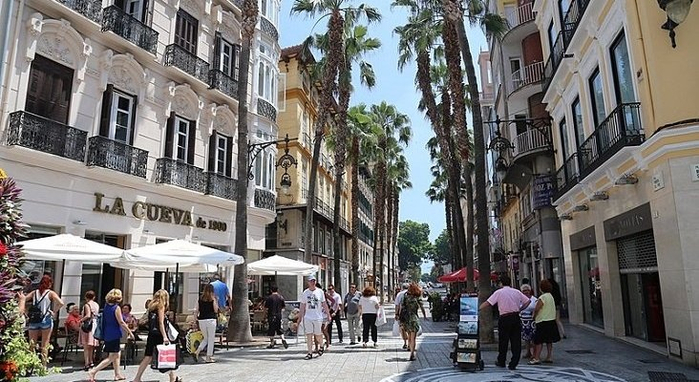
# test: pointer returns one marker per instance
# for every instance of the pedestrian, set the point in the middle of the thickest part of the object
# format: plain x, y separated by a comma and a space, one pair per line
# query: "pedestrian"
410, 322
510, 302
222, 293
352, 311
335, 313
558, 298
368, 309
207, 308
87, 339
157, 334
398, 305
313, 307
545, 319
326, 322
275, 305
527, 317
40, 314
112, 326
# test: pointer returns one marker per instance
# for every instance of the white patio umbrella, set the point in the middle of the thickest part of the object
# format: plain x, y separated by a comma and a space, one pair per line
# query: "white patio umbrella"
279, 265
69, 247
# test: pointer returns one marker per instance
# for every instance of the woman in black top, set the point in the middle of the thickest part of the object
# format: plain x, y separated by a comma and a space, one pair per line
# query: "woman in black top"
206, 314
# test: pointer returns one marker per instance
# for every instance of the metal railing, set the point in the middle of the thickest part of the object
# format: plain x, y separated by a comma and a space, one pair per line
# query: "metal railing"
572, 18
554, 60
520, 15
266, 110
42, 134
117, 156
92, 9
128, 27
307, 141
223, 82
264, 199
530, 140
221, 186
621, 128
188, 62
269, 28
567, 176
571, 21
527, 75
323, 208
181, 174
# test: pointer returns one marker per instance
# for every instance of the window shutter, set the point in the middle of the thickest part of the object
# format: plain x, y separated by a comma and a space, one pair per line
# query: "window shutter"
229, 157
146, 14
212, 152
105, 118
170, 135
216, 65
192, 139
132, 130
120, 4
236, 61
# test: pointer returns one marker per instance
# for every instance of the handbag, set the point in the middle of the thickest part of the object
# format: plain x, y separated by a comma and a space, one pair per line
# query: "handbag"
171, 330
86, 326
99, 330
380, 317
165, 357
221, 321
396, 329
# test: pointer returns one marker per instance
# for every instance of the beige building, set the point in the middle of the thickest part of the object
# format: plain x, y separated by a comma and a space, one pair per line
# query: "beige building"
626, 134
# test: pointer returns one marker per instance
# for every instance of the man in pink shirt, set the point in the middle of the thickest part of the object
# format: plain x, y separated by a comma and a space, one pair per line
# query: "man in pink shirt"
510, 302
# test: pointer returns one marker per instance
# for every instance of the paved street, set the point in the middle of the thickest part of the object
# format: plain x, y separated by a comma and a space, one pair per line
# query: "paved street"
584, 356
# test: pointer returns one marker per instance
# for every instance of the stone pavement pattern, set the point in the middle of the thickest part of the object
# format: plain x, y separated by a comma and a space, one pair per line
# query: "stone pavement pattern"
585, 356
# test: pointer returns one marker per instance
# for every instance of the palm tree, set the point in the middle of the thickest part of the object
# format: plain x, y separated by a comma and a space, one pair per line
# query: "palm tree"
239, 323
337, 11
399, 175
439, 192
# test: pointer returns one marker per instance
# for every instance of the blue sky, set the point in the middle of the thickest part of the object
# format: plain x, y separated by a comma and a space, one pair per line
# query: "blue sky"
396, 88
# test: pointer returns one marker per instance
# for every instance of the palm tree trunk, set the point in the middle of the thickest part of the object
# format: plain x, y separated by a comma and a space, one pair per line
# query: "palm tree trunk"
355, 210
389, 228
239, 323
481, 213
396, 201
470, 284
380, 217
337, 247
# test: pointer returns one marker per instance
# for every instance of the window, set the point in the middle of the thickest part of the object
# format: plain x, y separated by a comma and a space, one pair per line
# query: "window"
226, 57
621, 68
258, 171
578, 122
49, 90
267, 82
565, 147
186, 29
180, 139
563, 7
220, 154
270, 171
118, 116
552, 37
597, 97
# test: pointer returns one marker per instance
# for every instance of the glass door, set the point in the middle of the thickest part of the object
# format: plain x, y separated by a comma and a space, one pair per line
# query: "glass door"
591, 287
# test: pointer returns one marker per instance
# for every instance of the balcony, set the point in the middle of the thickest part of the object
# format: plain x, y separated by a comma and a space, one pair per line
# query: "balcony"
42, 134
572, 18
566, 176
269, 28
226, 84
264, 199
181, 174
92, 9
307, 141
189, 63
620, 129
571, 21
129, 28
323, 209
266, 110
528, 75
554, 60
532, 140
117, 156
221, 186
520, 15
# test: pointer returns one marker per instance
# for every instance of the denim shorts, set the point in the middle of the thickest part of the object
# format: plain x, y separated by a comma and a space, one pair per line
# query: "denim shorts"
47, 323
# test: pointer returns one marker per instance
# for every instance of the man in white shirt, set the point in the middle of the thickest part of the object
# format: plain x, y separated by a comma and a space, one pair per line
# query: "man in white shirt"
335, 313
398, 303
311, 315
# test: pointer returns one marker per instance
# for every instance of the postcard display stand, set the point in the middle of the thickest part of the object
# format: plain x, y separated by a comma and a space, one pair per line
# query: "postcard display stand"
467, 354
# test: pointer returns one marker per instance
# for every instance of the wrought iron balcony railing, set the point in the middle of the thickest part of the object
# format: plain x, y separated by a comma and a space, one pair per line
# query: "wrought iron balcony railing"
532, 139
323, 208
528, 75
571, 21
572, 18
264, 199
223, 82
117, 156
92, 9
128, 27
181, 174
621, 128
181, 58
554, 60
266, 110
566, 176
269, 28
221, 186
520, 15
42, 134
307, 141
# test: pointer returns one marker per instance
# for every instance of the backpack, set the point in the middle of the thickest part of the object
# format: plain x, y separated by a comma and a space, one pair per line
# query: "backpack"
35, 314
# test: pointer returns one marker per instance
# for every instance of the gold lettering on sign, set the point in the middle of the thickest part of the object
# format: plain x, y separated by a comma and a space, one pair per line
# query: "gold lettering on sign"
138, 210
118, 208
98, 203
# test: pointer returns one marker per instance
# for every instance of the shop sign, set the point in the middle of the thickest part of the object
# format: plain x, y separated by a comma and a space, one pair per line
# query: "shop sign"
630, 222
543, 189
156, 212
583, 239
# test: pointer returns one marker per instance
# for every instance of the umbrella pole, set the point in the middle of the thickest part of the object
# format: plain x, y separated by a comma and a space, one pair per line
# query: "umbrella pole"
275, 279
177, 286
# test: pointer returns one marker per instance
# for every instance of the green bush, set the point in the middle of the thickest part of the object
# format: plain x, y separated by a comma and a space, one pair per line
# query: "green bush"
436, 306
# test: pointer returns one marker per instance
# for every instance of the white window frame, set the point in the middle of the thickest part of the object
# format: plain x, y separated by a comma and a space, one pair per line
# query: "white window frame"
176, 142
138, 14
115, 110
221, 148
230, 61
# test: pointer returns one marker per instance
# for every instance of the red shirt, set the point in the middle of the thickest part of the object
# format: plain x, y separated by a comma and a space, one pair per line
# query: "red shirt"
73, 322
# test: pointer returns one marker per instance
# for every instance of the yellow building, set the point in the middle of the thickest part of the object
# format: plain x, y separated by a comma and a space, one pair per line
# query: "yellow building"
285, 237
626, 131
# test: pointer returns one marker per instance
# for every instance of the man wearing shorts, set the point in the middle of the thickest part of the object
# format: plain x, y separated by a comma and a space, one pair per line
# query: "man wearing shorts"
311, 315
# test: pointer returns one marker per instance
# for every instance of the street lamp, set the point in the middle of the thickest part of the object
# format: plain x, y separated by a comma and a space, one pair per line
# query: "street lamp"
285, 161
677, 11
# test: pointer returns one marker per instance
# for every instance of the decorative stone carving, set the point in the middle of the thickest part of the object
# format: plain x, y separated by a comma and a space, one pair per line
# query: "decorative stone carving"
182, 106
192, 7
53, 46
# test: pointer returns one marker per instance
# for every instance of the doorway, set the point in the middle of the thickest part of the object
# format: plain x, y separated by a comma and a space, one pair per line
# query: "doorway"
99, 277
643, 307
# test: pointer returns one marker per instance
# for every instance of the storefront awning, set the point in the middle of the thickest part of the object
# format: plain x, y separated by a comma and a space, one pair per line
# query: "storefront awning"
279, 265
178, 255
69, 247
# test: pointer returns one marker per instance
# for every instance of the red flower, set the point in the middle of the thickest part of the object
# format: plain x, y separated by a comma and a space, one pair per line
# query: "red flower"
8, 369
3, 250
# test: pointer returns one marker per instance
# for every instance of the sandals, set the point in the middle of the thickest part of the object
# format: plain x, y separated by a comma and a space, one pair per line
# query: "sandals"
412, 357
286, 345
534, 361
308, 356
320, 352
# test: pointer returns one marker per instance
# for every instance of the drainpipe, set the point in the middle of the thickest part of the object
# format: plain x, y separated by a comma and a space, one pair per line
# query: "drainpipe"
5, 15
5, 74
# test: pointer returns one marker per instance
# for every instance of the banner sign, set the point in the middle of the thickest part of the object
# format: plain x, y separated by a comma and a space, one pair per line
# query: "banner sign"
542, 191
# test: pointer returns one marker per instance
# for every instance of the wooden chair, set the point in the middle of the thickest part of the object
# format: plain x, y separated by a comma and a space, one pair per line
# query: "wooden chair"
71, 344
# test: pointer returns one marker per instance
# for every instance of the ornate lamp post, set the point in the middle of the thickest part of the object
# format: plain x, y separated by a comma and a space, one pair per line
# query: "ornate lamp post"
285, 161
677, 11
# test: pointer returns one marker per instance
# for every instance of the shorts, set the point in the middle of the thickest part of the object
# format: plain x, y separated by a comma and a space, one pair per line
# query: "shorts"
47, 323
274, 326
313, 327
112, 346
